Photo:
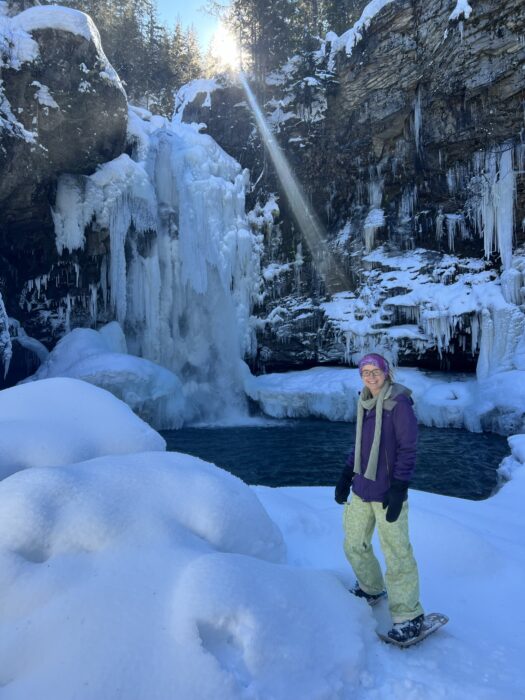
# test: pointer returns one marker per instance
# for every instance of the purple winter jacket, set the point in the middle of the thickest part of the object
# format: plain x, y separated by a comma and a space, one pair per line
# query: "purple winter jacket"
397, 449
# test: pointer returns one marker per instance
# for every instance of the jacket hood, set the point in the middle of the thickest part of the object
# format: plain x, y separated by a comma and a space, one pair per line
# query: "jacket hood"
398, 389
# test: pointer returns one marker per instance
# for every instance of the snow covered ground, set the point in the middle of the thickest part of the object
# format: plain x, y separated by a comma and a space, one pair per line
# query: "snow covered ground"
156, 575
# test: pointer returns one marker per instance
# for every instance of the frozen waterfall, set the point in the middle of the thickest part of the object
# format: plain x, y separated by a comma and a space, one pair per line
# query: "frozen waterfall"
183, 265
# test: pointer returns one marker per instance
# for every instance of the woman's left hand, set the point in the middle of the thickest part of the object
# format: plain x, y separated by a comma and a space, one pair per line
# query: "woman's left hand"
394, 499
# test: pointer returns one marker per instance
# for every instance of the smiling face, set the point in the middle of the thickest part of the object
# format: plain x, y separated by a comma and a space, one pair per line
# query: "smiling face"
373, 378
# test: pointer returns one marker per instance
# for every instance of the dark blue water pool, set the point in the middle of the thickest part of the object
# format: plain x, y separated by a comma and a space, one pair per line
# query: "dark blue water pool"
312, 453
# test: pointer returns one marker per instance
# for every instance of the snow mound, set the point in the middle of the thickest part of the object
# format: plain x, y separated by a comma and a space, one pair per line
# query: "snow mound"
103, 502
100, 358
168, 560
51, 423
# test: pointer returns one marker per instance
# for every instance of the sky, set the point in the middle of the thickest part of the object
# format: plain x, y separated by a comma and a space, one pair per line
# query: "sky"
189, 12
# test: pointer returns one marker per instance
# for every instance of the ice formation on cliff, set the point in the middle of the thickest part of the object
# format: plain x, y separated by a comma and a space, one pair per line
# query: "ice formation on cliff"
183, 267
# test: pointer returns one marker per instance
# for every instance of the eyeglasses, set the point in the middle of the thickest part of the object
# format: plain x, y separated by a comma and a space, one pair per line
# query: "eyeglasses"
371, 373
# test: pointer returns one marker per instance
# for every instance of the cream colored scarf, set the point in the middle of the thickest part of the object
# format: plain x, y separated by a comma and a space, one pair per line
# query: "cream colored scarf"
367, 402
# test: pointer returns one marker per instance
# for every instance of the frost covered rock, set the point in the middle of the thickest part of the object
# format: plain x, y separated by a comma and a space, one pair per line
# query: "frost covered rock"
51, 422
63, 106
26, 354
401, 158
220, 108
62, 109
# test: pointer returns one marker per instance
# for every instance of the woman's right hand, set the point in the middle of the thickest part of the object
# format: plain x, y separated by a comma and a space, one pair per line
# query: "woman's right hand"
342, 489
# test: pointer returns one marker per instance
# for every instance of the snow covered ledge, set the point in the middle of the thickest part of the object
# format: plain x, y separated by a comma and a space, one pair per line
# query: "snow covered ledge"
496, 404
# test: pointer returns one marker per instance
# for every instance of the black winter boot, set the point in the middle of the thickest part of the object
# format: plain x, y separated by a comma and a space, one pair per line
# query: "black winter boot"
403, 631
370, 599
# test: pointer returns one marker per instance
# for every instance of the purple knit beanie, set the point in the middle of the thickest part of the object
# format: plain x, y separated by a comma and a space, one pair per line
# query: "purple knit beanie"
376, 360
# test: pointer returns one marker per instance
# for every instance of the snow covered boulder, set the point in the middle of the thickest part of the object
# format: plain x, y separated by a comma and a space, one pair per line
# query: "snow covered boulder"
100, 358
63, 107
61, 421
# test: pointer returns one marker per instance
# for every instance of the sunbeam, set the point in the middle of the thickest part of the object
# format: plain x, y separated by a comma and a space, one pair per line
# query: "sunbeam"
325, 263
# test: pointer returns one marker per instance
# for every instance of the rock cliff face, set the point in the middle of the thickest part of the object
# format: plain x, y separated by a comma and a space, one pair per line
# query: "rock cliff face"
62, 109
406, 134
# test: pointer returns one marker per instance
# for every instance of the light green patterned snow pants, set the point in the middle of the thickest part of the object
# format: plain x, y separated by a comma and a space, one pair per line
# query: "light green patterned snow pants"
402, 579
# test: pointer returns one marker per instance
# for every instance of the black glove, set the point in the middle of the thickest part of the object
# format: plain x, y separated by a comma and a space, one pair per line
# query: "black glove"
394, 499
342, 490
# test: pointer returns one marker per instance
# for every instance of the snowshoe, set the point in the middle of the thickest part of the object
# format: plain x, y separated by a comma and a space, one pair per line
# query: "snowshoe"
431, 623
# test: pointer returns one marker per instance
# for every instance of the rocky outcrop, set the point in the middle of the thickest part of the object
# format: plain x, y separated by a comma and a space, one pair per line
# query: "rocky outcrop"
406, 134
62, 109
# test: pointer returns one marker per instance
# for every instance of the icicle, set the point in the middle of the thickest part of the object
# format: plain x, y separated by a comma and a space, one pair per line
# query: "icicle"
417, 119
519, 156
104, 280
455, 224
67, 321
474, 333
440, 218
69, 214
374, 221
408, 204
375, 218
298, 265
511, 286
439, 326
375, 190
451, 181
93, 294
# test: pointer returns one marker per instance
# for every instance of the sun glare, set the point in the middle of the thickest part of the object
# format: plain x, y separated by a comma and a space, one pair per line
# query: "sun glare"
224, 49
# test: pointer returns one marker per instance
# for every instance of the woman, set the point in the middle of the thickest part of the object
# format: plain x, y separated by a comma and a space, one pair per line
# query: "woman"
379, 470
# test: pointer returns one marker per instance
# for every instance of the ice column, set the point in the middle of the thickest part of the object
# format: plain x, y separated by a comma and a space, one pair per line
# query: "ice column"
502, 331
209, 264
495, 210
375, 218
